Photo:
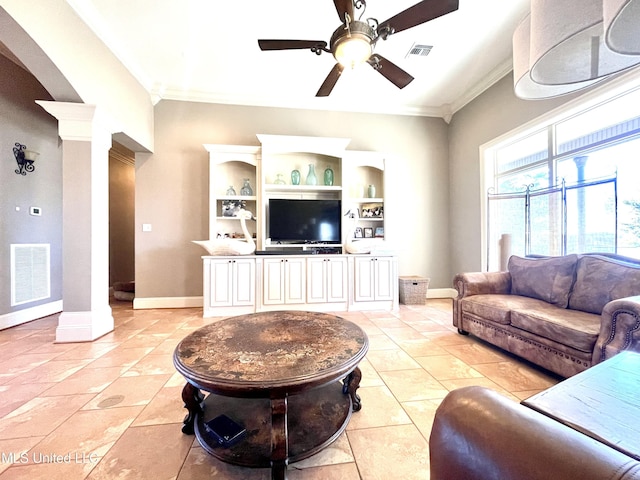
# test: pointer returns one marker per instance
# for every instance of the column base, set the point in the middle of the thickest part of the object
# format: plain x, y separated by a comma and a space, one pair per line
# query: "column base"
84, 326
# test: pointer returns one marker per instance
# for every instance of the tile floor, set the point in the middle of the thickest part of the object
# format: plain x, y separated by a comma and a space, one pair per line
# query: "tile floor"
112, 408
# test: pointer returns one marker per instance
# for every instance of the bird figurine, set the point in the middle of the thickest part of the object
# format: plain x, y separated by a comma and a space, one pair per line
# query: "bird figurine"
232, 246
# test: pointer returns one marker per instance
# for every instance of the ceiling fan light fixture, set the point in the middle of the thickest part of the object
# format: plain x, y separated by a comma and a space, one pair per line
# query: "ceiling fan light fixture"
352, 46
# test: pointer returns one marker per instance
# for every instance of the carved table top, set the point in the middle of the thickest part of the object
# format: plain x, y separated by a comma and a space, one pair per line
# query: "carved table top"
270, 353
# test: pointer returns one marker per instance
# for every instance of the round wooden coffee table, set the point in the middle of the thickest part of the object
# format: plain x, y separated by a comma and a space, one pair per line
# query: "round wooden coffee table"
289, 377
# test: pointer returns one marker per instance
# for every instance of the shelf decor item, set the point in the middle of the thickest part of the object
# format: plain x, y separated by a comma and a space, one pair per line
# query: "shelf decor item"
279, 180
246, 189
371, 191
368, 232
295, 177
328, 176
311, 176
231, 191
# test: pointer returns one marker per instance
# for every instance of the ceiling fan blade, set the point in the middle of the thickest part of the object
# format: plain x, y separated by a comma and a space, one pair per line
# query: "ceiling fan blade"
291, 44
418, 14
390, 71
344, 6
330, 81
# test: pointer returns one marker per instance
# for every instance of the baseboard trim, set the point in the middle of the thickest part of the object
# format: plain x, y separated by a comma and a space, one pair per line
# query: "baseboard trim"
442, 293
12, 319
167, 302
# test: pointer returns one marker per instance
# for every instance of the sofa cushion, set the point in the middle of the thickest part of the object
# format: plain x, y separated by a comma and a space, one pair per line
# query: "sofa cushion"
572, 328
497, 308
549, 279
600, 280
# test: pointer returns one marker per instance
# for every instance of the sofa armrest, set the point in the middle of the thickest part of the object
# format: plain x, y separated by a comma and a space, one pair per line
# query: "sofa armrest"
478, 433
619, 328
478, 283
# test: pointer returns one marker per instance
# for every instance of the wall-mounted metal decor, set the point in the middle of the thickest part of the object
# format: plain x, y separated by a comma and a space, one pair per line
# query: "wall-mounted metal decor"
24, 158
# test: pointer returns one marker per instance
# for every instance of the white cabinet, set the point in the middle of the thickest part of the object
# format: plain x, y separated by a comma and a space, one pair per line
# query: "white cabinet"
229, 285
283, 280
327, 279
375, 280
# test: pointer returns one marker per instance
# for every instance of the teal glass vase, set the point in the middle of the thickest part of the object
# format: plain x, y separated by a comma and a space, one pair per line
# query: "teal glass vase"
311, 176
295, 177
328, 176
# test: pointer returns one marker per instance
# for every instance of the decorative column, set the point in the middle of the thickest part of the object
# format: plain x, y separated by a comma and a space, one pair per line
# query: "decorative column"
86, 140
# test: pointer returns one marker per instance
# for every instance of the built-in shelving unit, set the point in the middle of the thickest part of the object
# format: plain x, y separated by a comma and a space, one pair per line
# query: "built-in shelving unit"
353, 174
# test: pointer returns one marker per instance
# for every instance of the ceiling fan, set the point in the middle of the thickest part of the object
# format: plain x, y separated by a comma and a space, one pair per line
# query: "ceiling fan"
353, 42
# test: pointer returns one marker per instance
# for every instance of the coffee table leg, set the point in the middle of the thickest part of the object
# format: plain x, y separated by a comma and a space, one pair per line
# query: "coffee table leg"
350, 384
279, 439
192, 398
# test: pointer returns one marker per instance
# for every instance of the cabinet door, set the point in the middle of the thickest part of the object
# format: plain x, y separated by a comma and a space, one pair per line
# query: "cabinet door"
221, 283
294, 280
316, 280
337, 290
384, 282
244, 281
273, 281
364, 279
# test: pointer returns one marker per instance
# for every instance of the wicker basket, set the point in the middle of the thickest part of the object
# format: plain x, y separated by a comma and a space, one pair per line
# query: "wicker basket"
413, 290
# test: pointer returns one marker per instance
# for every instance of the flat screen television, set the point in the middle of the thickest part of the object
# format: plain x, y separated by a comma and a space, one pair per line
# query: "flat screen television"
305, 221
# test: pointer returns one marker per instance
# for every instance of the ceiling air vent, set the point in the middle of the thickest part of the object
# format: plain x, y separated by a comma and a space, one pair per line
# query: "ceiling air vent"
418, 50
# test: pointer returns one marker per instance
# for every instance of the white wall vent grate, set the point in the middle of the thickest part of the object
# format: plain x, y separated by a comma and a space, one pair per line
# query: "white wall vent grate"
30, 272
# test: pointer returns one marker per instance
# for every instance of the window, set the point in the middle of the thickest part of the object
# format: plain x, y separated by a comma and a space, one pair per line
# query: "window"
569, 186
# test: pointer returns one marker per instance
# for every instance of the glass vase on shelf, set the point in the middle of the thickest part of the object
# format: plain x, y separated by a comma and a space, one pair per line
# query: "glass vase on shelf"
246, 188
279, 180
328, 176
371, 191
295, 177
311, 176
231, 191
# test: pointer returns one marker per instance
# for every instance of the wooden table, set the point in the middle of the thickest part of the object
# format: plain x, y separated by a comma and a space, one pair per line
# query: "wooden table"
278, 375
602, 402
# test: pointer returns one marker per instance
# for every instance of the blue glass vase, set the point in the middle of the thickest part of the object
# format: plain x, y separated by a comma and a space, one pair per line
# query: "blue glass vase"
328, 176
311, 176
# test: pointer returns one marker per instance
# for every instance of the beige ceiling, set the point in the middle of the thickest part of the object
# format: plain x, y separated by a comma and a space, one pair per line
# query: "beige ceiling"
206, 50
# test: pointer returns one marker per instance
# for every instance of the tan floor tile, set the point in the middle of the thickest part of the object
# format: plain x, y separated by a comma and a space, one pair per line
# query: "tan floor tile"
52, 371
89, 350
475, 353
345, 471
405, 333
121, 357
336, 453
165, 407
448, 338
13, 396
16, 451
152, 365
128, 391
40, 416
447, 367
391, 452
515, 376
19, 364
385, 360
421, 347
200, 465
481, 382
379, 408
134, 454
410, 385
381, 342
48, 469
141, 340
422, 413
370, 377
167, 347
87, 380
88, 433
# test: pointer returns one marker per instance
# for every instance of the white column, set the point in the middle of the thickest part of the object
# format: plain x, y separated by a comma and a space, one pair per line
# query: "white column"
86, 140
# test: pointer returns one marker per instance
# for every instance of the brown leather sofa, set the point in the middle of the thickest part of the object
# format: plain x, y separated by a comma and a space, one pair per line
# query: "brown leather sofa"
478, 434
562, 313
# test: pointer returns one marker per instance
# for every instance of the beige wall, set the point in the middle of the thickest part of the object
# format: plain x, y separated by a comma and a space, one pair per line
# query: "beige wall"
172, 185
121, 215
494, 113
